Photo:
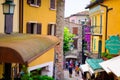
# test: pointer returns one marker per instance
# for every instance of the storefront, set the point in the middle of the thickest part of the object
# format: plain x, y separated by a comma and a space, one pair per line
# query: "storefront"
30, 50
112, 66
92, 70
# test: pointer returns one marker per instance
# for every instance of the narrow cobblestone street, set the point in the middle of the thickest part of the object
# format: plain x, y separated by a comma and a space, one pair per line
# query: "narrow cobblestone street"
66, 76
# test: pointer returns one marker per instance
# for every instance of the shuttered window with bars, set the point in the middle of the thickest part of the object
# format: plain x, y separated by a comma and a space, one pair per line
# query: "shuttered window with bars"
35, 3
52, 29
33, 28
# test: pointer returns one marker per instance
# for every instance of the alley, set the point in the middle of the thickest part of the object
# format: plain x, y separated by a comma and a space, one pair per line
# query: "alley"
66, 76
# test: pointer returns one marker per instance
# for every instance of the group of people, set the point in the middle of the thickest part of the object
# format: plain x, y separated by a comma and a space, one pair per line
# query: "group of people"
73, 65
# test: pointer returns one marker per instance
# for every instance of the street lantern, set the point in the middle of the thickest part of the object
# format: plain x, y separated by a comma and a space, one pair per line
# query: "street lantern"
8, 7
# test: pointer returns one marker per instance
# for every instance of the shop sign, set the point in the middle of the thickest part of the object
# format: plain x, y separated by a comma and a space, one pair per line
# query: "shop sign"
113, 44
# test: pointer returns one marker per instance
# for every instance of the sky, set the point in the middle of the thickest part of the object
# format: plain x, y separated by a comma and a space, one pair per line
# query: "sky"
74, 6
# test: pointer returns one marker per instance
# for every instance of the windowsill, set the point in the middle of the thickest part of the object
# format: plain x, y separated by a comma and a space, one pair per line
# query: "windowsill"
52, 9
33, 5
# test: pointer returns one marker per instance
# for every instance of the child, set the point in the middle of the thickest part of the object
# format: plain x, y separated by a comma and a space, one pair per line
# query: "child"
77, 69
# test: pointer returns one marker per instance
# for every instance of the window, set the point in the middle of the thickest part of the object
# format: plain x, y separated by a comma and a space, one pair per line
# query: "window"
35, 3
75, 30
33, 28
73, 21
52, 29
52, 4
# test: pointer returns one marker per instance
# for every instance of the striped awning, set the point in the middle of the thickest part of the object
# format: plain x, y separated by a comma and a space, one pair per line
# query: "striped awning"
23, 48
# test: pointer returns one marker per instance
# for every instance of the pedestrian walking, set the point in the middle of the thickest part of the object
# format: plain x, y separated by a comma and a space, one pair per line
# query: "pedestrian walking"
70, 68
77, 69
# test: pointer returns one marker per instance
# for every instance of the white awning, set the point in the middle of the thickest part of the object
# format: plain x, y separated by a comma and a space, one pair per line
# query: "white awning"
71, 56
84, 68
112, 65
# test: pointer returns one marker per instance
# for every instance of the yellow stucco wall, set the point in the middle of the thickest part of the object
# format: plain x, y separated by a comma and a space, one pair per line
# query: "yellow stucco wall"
1, 17
46, 57
1, 70
113, 17
43, 15
113, 20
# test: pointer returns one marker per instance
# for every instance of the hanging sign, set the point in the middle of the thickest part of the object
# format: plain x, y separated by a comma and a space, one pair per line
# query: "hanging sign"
113, 44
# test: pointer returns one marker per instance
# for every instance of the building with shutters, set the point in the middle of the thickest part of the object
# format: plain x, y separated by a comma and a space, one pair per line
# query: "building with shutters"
26, 38
105, 21
75, 23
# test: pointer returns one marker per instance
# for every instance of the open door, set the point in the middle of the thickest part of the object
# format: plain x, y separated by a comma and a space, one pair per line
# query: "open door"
7, 71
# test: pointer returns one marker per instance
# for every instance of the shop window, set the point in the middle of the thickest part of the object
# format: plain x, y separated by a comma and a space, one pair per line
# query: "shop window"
35, 3
33, 28
52, 29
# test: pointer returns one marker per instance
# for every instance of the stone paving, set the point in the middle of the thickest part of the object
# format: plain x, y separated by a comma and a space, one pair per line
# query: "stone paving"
66, 76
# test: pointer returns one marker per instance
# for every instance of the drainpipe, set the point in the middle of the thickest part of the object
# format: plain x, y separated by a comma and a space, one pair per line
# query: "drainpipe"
107, 10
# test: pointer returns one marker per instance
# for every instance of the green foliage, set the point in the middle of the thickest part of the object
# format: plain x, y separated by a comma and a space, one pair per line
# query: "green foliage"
34, 75
67, 39
107, 55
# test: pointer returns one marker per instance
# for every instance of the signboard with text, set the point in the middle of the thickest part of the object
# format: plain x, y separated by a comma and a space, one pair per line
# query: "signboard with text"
113, 44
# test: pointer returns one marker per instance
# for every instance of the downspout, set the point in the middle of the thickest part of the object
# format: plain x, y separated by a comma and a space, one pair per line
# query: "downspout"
106, 26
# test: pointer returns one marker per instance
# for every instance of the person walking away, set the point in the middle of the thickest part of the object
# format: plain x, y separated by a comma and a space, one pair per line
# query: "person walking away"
70, 68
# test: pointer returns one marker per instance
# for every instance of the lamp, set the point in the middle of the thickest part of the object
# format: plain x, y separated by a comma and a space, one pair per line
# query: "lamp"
8, 7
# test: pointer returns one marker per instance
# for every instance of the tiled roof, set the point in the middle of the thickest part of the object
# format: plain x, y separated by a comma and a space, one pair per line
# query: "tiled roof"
83, 13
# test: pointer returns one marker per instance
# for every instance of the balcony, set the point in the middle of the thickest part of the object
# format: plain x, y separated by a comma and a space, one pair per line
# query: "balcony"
96, 30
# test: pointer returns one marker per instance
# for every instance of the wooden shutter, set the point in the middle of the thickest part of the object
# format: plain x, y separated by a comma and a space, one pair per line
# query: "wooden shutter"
29, 1
49, 29
8, 24
54, 29
52, 4
39, 28
75, 30
28, 28
39, 2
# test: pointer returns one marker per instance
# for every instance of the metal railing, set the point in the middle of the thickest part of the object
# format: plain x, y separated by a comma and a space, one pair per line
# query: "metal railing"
96, 30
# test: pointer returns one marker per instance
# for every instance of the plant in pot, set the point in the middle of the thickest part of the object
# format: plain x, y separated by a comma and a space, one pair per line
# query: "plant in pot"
106, 56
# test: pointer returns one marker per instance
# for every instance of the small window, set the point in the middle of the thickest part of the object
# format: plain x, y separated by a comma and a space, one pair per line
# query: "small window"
51, 29
35, 3
52, 4
33, 28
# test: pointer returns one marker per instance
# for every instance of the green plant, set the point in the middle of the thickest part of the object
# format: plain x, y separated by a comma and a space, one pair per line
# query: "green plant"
34, 75
107, 55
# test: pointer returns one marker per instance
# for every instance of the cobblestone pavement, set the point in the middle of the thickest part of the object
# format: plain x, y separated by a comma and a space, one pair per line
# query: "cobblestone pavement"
66, 76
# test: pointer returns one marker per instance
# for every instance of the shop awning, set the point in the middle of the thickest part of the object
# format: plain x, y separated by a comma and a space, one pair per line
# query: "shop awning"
84, 68
94, 63
112, 65
23, 48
